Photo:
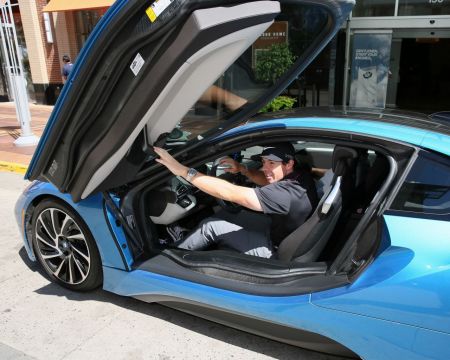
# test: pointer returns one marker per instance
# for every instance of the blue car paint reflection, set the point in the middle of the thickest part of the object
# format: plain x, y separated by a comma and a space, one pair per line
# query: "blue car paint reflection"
403, 283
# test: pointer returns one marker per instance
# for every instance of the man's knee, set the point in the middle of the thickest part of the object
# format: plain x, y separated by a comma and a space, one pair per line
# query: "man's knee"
208, 228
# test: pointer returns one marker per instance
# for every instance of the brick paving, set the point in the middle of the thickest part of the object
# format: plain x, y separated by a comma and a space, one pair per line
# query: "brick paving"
10, 131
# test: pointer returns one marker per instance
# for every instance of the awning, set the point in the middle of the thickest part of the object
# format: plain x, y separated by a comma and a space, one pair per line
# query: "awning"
69, 5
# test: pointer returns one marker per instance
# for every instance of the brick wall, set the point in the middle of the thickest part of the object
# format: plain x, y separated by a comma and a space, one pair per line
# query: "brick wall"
46, 58
65, 34
51, 50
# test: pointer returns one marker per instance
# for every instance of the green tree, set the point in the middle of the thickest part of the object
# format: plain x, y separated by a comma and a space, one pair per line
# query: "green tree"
272, 63
279, 103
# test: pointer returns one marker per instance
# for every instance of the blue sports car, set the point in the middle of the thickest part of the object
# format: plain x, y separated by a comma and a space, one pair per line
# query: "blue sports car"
366, 275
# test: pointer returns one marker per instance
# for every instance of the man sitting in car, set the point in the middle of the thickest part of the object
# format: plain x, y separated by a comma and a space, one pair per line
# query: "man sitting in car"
282, 202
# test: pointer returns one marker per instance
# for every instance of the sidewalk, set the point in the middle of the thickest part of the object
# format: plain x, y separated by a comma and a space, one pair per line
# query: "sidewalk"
13, 158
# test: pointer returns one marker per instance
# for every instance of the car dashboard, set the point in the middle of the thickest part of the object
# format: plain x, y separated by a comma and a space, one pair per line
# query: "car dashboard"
172, 202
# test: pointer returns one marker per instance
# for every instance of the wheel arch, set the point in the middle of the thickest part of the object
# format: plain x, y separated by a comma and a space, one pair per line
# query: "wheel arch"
28, 215
86, 253
90, 210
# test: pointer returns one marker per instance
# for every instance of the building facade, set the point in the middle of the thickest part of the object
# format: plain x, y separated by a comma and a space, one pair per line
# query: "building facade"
46, 31
390, 53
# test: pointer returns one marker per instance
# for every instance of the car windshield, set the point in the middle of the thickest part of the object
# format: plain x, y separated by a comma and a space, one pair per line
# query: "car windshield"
281, 48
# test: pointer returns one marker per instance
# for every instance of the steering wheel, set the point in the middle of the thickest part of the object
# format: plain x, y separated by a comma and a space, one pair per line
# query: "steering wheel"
218, 170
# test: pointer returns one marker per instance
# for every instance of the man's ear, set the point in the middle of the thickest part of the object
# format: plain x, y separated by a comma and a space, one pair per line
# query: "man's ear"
290, 164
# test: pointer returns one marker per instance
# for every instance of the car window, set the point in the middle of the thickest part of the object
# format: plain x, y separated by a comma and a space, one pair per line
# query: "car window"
276, 52
427, 187
315, 154
249, 154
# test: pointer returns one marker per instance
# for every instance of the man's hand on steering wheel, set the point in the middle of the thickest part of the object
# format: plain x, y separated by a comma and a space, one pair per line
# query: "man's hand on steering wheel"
219, 188
230, 165
232, 168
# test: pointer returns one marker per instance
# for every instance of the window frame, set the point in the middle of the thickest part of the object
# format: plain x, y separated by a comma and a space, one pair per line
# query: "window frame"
422, 155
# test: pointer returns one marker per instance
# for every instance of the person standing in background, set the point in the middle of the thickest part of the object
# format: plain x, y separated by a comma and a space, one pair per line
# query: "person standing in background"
67, 67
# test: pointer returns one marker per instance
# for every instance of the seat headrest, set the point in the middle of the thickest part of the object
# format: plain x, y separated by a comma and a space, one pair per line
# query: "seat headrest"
343, 156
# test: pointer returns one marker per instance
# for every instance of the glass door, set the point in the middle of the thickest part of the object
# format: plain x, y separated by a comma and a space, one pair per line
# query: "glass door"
420, 77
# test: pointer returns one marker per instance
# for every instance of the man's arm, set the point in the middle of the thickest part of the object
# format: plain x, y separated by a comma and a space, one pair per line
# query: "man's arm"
254, 175
225, 190
217, 95
318, 172
211, 185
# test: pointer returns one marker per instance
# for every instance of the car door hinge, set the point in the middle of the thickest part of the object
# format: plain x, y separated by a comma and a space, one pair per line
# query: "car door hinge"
135, 242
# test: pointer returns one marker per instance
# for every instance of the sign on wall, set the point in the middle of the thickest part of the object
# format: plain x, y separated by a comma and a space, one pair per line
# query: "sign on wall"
370, 69
277, 33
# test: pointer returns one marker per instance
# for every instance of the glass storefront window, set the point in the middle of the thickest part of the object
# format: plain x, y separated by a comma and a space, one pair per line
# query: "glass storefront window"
423, 7
312, 87
366, 8
276, 52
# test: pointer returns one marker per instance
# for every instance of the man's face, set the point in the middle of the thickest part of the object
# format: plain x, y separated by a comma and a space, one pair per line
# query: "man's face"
275, 170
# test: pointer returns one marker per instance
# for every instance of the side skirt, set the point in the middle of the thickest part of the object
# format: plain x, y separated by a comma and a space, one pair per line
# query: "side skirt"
270, 330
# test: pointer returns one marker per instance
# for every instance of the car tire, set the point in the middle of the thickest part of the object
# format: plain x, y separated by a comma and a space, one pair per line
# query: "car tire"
65, 247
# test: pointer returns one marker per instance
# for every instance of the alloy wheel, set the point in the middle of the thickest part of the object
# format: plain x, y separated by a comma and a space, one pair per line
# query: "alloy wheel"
62, 246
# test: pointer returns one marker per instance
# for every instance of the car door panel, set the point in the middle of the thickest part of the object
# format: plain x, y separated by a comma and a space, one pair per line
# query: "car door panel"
407, 282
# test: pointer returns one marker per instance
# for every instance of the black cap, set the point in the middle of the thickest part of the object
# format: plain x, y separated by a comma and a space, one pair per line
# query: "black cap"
279, 152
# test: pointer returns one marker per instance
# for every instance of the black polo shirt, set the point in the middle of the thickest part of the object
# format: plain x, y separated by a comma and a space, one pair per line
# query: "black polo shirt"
287, 203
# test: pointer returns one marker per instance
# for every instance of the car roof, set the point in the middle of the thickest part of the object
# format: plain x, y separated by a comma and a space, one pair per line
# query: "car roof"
392, 116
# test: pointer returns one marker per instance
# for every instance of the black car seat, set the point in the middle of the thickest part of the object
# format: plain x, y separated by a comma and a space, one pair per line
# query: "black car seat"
307, 242
304, 164
307, 182
374, 177
324, 183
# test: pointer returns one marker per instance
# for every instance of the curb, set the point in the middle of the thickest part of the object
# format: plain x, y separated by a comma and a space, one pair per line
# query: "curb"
13, 167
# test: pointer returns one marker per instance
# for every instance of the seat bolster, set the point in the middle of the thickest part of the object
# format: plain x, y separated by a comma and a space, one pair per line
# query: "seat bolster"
289, 246
331, 198
309, 239
342, 158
